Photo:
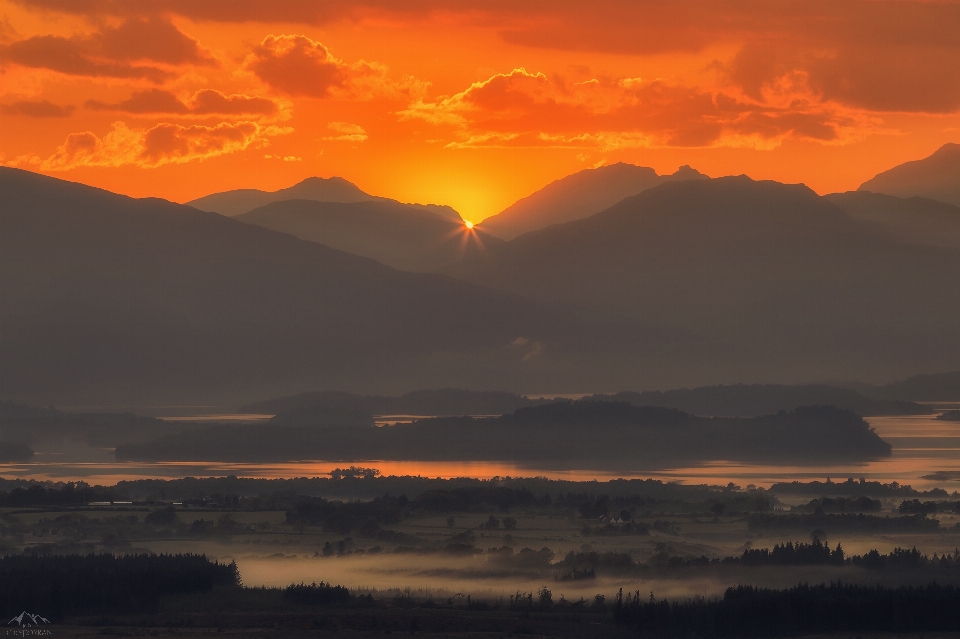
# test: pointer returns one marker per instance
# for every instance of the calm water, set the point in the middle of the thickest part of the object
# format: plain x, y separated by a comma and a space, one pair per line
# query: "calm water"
921, 446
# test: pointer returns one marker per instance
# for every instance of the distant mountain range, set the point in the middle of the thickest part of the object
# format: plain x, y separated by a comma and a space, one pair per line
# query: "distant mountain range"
608, 434
929, 387
913, 220
762, 272
577, 196
752, 400
936, 177
334, 189
405, 236
445, 401
239, 201
107, 298
739, 400
691, 282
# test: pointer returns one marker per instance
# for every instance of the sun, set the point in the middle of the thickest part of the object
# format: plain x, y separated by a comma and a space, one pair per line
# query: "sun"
466, 235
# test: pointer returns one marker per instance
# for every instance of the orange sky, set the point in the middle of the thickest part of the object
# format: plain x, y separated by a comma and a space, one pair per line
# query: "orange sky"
472, 104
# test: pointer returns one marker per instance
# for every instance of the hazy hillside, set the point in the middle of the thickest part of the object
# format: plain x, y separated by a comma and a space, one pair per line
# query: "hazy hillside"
113, 300
578, 196
750, 400
930, 387
32, 424
604, 433
444, 401
740, 400
405, 236
236, 202
914, 220
936, 177
108, 297
780, 276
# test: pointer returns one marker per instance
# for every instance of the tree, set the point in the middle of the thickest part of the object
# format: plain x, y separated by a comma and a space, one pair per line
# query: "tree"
545, 597
163, 517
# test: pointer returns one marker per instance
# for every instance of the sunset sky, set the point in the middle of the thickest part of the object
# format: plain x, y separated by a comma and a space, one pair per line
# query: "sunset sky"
472, 104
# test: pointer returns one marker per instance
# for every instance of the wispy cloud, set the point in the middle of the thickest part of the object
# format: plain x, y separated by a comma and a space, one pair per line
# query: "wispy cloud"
164, 143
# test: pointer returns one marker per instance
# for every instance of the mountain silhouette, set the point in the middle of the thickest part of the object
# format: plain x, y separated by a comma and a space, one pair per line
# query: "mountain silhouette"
405, 236
936, 177
751, 400
231, 203
777, 274
113, 299
930, 387
579, 195
334, 189
914, 220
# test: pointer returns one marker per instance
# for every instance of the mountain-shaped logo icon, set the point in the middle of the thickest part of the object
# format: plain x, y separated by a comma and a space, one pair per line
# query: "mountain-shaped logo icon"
25, 619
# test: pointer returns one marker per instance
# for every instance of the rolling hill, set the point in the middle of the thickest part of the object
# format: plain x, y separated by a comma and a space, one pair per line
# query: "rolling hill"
404, 236
936, 177
579, 195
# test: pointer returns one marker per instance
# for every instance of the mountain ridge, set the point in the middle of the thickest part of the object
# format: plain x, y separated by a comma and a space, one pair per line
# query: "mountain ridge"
239, 201
405, 236
579, 195
770, 270
936, 177
333, 189
113, 298
915, 219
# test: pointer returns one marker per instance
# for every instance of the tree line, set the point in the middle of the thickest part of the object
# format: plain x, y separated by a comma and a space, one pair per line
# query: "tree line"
59, 585
803, 609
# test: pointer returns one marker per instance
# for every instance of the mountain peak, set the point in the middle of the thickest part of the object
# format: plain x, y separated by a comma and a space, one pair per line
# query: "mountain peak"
580, 195
936, 177
947, 149
687, 172
315, 180
239, 201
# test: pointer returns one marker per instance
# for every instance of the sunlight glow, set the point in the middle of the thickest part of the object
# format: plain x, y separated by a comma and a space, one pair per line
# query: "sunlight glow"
468, 224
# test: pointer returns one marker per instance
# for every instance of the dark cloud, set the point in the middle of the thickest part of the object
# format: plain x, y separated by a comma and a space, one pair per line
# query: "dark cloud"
235, 11
872, 54
211, 101
300, 66
152, 101
129, 50
297, 65
36, 109
205, 102
153, 39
